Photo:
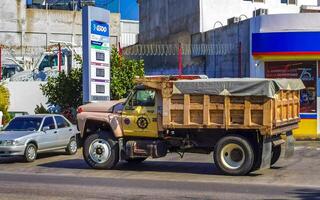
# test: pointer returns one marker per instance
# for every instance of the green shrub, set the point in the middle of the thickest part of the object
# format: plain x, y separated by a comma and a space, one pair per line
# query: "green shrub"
4, 103
123, 73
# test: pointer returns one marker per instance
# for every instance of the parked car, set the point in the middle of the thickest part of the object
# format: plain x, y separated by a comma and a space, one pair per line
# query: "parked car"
29, 135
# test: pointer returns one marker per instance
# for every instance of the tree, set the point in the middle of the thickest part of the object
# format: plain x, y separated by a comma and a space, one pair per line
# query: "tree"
65, 91
4, 103
40, 109
123, 72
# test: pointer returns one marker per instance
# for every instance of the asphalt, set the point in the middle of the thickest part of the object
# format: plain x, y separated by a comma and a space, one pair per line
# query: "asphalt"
68, 187
59, 176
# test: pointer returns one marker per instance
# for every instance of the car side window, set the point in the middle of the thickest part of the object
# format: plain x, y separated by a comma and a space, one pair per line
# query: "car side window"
61, 122
144, 98
49, 123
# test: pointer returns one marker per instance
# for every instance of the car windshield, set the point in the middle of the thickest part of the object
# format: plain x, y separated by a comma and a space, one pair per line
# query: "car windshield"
24, 124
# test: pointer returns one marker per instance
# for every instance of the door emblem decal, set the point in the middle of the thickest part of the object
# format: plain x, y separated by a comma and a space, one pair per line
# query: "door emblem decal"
127, 121
142, 122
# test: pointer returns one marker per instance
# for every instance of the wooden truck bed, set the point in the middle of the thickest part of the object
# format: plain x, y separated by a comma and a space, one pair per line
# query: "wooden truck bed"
199, 111
206, 111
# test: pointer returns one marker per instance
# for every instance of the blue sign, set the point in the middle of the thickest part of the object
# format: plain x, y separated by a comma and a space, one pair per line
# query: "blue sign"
100, 28
286, 42
96, 54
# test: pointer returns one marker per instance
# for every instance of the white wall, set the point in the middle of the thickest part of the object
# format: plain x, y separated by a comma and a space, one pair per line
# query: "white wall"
24, 96
129, 32
27, 32
221, 10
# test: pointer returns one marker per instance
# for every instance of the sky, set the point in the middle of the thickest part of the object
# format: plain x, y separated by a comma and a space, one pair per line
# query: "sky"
128, 8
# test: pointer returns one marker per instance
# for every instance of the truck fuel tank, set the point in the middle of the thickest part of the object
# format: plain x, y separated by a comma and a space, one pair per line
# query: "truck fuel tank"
146, 148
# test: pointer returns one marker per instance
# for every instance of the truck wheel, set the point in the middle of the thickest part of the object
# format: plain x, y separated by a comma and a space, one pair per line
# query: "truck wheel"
101, 151
276, 152
234, 155
135, 160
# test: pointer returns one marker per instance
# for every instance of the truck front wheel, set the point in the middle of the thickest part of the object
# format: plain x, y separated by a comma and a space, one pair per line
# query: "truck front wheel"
234, 155
101, 151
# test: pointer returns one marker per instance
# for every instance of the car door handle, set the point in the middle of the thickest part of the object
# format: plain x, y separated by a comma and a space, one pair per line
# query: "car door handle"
70, 129
55, 132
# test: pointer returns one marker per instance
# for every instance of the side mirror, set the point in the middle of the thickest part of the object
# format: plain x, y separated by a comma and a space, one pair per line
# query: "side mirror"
45, 128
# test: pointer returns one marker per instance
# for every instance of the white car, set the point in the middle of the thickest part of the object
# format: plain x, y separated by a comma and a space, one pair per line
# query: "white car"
28, 135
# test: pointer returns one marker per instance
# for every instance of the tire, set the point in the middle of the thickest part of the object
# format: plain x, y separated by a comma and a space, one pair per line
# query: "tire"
135, 160
276, 152
101, 151
72, 147
234, 155
30, 153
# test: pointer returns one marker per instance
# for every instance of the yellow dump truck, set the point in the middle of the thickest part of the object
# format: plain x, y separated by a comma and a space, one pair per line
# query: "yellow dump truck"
242, 121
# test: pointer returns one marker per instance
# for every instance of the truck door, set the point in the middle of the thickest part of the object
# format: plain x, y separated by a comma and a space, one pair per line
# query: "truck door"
139, 117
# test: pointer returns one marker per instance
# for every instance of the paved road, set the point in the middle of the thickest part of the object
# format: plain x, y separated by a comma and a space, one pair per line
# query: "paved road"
58, 176
67, 187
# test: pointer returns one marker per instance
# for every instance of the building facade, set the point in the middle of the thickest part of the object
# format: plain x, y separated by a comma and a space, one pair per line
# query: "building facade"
171, 22
27, 31
280, 42
288, 46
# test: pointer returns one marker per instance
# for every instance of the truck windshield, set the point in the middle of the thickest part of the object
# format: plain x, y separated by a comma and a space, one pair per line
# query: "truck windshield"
24, 124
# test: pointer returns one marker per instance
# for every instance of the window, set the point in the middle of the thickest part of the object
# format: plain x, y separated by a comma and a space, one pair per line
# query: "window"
144, 98
24, 124
100, 89
59, 4
306, 71
49, 123
61, 122
294, 2
50, 61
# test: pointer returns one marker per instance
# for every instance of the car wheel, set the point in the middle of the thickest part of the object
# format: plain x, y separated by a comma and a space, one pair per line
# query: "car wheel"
234, 155
276, 152
101, 151
30, 153
72, 147
135, 160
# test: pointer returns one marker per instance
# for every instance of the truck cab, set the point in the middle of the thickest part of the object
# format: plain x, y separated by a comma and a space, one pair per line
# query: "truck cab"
140, 113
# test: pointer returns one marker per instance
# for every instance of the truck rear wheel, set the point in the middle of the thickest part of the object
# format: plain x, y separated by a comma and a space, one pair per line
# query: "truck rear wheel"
234, 155
276, 152
101, 151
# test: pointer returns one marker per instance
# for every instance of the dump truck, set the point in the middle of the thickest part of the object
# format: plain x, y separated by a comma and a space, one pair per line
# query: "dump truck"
245, 122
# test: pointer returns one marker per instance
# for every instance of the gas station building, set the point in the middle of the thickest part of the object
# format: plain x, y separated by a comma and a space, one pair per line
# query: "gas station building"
288, 46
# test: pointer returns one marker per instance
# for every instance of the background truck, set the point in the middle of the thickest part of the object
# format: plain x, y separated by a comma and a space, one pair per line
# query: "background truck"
242, 121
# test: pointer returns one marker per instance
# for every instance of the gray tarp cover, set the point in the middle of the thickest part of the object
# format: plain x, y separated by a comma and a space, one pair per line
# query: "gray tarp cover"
236, 86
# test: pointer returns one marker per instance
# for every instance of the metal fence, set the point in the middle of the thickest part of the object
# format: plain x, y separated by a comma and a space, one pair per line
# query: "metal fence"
173, 49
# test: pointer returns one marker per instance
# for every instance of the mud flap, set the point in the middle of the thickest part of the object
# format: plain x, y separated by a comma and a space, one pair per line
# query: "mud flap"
289, 145
266, 153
